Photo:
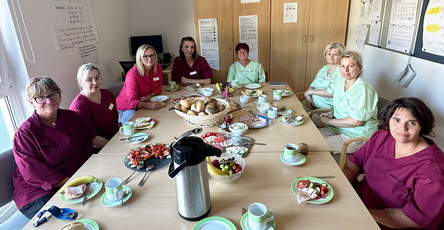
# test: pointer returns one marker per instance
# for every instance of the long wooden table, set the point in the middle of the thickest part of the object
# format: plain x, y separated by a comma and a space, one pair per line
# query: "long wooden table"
266, 179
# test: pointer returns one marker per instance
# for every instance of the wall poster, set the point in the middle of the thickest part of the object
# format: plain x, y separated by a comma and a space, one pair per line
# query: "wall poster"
248, 33
433, 33
209, 44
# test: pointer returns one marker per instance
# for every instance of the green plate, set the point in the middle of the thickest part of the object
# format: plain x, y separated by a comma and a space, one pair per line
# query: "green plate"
294, 123
245, 226
89, 224
105, 202
299, 162
214, 222
253, 86
97, 185
294, 188
160, 98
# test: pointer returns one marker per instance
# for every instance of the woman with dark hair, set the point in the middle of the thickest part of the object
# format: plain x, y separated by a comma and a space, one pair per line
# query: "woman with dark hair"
49, 147
97, 106
189, 67
404, 170
142, 82
245, 70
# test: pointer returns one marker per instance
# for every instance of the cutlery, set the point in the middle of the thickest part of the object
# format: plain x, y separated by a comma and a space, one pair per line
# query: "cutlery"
128, 178
148, 168
86, 194
320, 177
127, 138
243, 211
255, 143
125, 193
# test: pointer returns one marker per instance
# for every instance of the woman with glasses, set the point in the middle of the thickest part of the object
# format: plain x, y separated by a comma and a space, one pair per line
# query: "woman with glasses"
245, 70
142, 82
354, 106
97, 106
48, 147
189, 67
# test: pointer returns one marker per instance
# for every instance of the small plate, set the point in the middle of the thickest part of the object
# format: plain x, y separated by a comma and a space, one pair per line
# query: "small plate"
252, 93
286, 93
138, 137
285, 112
96, 185
299, 162
253, 86
160, 98
294, 188
104, 200
143, 119
294, 123
256, 126
192, 88
245, 226
157, 162
144, 125
89, 224
214, 222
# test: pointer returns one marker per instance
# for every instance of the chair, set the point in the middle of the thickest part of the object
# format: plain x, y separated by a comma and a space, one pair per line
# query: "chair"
10, 217
126, 66
115, 88
382, 102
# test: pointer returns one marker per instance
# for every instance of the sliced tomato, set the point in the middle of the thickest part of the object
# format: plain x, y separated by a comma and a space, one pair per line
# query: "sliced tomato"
303, 183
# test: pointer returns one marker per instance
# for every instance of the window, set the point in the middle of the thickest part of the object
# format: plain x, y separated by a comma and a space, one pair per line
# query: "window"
7, 125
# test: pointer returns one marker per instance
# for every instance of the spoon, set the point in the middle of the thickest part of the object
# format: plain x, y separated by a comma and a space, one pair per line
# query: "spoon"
125, 193
139, 166
148, 168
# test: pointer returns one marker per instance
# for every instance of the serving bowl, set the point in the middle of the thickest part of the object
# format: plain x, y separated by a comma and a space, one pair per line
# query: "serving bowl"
206, 91
263, 107
220, 176
238, 129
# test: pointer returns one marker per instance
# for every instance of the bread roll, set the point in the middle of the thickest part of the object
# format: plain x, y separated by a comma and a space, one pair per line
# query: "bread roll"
191, 112
200, 106
185, 103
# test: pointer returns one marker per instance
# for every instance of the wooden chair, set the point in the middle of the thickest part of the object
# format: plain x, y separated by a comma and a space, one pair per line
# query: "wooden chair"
382, 102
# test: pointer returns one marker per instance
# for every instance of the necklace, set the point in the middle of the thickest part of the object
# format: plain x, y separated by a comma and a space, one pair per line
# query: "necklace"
53, 123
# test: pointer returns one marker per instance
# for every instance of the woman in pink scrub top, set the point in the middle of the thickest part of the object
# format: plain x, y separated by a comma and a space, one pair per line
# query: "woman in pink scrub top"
403, 184
142, 82
48, 148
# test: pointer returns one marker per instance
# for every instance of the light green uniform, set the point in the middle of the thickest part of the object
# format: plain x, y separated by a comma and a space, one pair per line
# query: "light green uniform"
253, 73
358, 102
322, 81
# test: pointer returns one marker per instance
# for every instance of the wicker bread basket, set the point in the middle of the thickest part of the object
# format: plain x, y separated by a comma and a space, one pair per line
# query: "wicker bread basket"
208, 120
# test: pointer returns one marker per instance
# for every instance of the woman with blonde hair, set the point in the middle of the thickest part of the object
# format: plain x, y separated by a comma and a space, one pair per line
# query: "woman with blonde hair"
142, 82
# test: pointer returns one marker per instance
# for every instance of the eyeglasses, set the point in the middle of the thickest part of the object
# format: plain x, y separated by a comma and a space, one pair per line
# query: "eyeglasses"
42, 99
91, 79
242, 51
151, 56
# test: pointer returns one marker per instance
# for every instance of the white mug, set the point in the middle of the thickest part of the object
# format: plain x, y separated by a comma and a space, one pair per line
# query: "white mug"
277, 95
114, 189
262, 98
258, 216
244, 99
272, 112
127, 128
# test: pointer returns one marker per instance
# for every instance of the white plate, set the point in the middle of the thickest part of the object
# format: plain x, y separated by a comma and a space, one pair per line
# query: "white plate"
96, 185
253, 86
299, 162
144, 125
105, 202
245, 226
138, 137
160, 98
143, 119
285, 112
286, 93
214, 223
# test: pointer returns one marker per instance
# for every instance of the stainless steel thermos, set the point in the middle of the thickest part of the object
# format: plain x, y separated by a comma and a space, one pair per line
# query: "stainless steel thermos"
189, 168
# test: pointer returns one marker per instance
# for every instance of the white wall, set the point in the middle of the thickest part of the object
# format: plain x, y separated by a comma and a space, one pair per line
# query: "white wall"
382, 67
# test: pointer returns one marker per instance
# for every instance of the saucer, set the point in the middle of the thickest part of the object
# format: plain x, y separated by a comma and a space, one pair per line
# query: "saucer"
138, 137
105, 202
160, 98
245, 226
214, 222
299, 162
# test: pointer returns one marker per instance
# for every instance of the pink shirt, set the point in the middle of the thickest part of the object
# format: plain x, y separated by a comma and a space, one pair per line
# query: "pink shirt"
414, 183
199, 70
102, 117
45, 155
136, 87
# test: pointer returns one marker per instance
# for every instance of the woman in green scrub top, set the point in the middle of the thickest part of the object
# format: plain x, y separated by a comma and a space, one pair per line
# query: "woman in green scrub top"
316, 96
245, 70
354, 106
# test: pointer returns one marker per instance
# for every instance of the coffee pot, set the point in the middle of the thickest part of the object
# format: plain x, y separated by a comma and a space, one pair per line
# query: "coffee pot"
189, 168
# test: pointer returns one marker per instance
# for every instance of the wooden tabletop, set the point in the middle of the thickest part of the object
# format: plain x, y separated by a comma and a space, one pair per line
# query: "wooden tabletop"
266, 179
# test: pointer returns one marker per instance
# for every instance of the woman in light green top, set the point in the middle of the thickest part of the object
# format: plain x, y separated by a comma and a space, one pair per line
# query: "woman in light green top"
245, 70
354, 104
316, 96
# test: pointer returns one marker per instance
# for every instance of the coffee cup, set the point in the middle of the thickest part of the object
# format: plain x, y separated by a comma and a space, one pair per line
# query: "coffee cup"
262, 98
291, 152
244, 99
258, 216
173, 85
277, 95
114, 189
127, 128
272, 112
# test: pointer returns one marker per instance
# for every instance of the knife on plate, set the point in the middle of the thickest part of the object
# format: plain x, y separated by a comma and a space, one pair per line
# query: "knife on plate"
85, 195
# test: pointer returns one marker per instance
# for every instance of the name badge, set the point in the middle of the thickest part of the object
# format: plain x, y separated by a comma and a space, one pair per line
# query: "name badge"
193, 73
156, 79
249, 70
111, 106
